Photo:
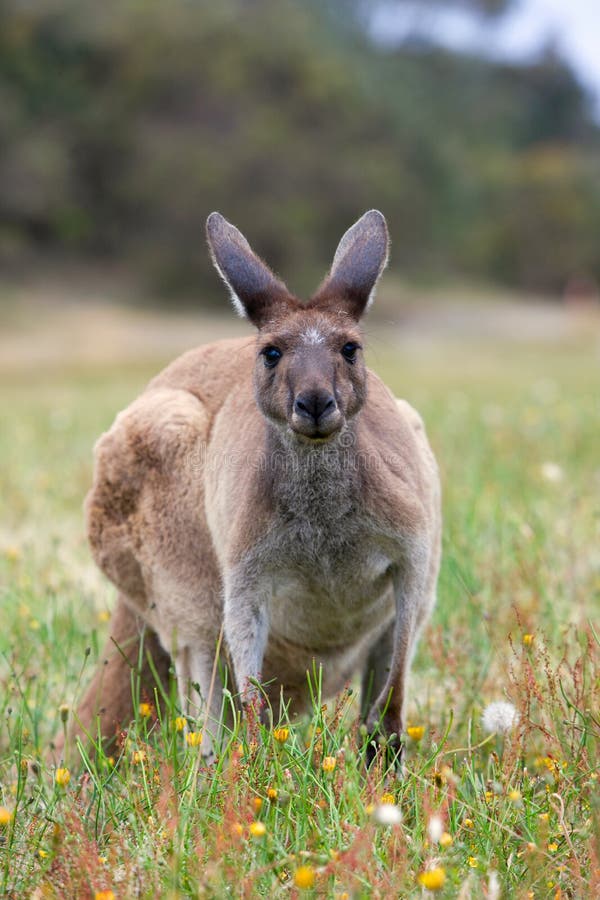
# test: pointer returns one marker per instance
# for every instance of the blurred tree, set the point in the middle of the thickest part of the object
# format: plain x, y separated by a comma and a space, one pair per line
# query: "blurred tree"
123, 124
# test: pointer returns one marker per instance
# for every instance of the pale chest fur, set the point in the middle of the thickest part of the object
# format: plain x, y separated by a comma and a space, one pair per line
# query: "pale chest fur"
326, 562
329, 602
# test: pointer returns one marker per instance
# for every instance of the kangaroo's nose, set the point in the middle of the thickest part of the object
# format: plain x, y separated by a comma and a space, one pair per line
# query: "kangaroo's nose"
314, 405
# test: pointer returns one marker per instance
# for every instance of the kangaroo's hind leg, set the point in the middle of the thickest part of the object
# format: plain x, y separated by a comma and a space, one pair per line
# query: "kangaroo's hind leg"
107, 704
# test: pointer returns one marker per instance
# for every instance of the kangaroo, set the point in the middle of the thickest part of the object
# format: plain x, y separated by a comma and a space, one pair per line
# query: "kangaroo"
272, 491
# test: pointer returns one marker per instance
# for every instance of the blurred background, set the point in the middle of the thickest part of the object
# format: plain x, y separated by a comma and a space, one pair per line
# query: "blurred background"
473, 124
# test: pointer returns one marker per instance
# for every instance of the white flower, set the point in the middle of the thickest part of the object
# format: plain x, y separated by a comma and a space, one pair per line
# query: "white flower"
499, 717
435, 829
552, 472
493, 886
387, 814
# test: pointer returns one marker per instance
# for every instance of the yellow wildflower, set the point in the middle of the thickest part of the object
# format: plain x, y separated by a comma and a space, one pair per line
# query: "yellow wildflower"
193, 738
387, 798
103, 859
42, 854
304, 877
5, 816
472, 862
552, 848
328, 764
514, 796
272, 793
103, 616
281, 734
528, 640
104, 895
179, 723
258, 829
547, 762
145, 710
139, 756
433, 879
446, 839
468, 823
257, 801
415, 732
62, 777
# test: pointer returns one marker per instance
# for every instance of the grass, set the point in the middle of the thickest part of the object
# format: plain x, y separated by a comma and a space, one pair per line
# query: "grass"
516, 431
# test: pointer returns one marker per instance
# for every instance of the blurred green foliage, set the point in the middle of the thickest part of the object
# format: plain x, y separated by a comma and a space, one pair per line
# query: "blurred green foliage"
122, 124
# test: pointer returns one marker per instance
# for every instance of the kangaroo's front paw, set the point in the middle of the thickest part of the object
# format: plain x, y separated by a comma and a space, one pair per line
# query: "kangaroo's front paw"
384, 742
389, 749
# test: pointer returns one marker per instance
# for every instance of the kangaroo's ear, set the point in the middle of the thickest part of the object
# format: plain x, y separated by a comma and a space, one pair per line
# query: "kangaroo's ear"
359, 260
255, 291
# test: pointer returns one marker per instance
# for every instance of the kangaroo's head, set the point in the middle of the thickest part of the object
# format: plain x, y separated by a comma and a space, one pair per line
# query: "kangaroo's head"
310, 376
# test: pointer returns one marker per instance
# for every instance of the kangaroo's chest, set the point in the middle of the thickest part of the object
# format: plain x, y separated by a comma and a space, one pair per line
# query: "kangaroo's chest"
329, 587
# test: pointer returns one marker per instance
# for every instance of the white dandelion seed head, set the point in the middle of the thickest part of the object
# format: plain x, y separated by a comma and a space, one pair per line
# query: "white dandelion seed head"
552, 472
493, 886
387, 814
499, 717
435, 829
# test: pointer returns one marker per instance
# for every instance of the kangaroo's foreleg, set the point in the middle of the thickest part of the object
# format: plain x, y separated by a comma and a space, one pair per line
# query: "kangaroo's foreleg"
246, 629
201, 692
389, 673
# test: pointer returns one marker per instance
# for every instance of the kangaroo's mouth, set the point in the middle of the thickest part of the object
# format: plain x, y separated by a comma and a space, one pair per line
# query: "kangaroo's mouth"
315, 435
317, 431
316, 438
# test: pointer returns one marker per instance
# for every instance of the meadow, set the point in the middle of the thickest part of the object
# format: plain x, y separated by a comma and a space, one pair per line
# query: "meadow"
510, 810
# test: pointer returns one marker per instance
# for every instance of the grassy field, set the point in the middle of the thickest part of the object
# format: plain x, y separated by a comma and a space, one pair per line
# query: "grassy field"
516, 429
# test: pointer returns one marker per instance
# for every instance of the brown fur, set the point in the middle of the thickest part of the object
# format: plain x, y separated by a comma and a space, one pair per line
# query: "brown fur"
293, 508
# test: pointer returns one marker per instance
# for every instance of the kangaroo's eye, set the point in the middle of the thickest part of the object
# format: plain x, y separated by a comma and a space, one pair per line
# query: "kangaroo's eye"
349, 351
271, 356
